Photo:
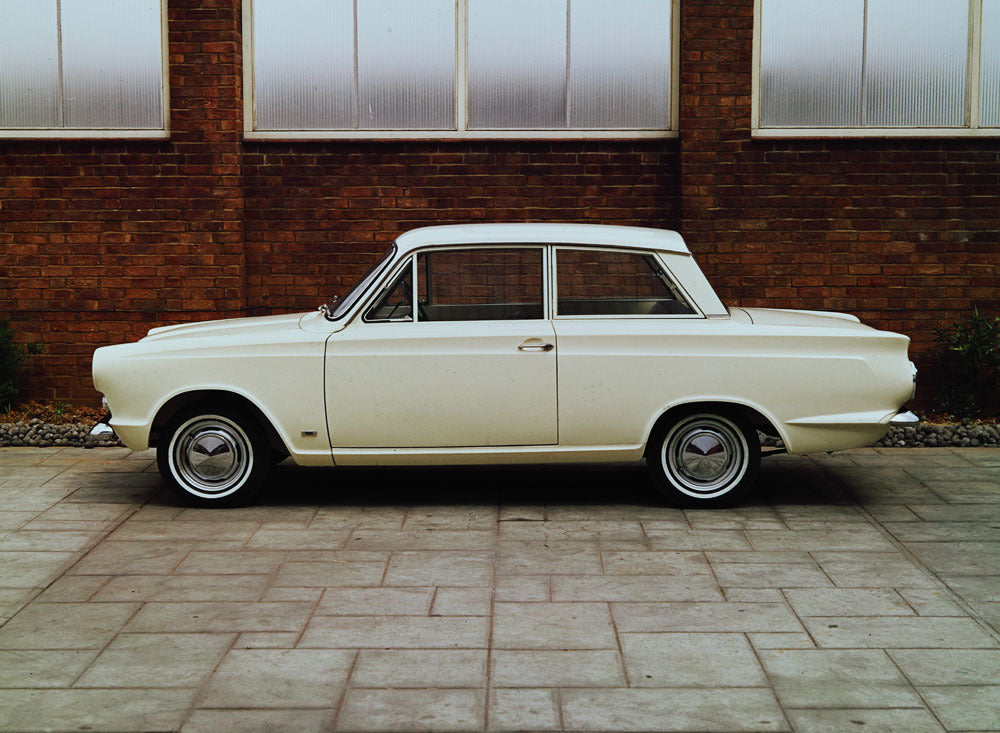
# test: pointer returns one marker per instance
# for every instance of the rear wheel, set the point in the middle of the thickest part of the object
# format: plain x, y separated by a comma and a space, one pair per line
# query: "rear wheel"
214, 456
704, 459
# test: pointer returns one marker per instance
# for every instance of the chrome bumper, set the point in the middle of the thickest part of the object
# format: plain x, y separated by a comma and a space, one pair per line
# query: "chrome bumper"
904, 420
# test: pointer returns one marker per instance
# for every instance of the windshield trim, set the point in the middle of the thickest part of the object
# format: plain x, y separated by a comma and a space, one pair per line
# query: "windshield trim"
362, 286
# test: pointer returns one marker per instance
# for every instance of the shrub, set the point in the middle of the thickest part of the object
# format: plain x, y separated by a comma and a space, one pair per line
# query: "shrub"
12, 355
967, 356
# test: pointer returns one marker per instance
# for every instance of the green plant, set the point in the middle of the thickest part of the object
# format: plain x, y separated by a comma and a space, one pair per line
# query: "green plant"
12, 355
967, 357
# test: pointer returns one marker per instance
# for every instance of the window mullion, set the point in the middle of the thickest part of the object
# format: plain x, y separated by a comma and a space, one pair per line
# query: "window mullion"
461, 61
972, 112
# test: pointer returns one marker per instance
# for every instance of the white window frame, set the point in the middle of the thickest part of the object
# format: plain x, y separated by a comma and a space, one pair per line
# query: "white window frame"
971, 127
108, 133
462, 131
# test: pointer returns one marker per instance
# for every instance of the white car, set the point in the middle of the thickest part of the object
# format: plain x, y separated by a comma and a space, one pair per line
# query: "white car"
508, 343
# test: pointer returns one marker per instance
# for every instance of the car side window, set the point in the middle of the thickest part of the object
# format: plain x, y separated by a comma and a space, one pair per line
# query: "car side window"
395, 302
592, 282
480, 284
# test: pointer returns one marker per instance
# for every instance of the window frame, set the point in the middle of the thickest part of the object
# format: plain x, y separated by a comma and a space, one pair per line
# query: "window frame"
462, 131
110, 133
971, 128
657, 256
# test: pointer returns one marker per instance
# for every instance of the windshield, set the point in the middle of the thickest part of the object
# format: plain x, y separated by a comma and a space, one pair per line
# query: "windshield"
362, 285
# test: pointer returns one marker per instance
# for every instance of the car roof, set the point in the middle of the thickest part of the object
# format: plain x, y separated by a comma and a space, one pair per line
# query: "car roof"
521, 233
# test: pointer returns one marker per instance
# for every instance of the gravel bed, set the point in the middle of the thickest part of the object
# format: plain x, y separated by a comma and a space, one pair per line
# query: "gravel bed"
38, 433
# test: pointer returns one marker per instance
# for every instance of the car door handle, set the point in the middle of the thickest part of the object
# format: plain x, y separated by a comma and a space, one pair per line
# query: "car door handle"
535, 345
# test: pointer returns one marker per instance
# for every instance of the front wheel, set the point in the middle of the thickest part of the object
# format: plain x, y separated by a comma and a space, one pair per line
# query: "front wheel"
214, 456
704, 459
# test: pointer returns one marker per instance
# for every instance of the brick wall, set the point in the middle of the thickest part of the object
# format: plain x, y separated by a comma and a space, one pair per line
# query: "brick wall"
103, 240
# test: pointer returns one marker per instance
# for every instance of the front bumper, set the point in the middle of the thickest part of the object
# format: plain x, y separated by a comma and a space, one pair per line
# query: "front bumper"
904, 420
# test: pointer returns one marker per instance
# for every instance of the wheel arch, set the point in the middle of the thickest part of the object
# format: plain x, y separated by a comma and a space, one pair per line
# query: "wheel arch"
752, 415
235, 400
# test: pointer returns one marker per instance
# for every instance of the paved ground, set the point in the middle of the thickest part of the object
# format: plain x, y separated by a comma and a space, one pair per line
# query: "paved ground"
858, 591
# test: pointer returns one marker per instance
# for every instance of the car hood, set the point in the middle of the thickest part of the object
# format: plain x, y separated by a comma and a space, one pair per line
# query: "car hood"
227, 327
805, 319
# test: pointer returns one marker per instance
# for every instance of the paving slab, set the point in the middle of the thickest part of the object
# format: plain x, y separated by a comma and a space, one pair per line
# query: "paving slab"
855, 591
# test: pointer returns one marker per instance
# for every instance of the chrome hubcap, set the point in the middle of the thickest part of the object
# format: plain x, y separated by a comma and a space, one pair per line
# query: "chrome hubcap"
705, 455
211, 456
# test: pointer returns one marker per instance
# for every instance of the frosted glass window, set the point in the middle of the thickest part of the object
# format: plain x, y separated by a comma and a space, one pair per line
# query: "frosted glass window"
111, 63
989, 96
29, 64
459, 66
304, 64
810, 62
107, 72
915, 66
619, 66
517, 63
406, 63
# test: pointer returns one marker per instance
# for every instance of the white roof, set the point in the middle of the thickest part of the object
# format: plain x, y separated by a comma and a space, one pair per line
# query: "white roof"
521, 233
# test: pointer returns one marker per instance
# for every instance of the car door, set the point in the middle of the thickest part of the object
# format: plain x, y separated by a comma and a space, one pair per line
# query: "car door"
473, 364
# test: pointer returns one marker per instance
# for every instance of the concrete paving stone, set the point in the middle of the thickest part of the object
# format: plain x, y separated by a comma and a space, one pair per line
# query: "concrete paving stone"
781, 640
988, 612
779, 557
724, 616
179, 531
873, 569
972, 587
848, 602
73, 588
521, 513
959, 558
183, 588
534, 558
870, 721
265, 515
956, 512
412, 710
359, 517
663, 709
422, 539
14, 520
129, 489
31, 569
653, 562
404, 632
752, 595
886, 513
156, 511
376, 601
78, 511
944, 531
220, 616
279, 678
670, 538
93, 529
131, 558
837, 678
470, 516
462, 602
17, 596
35, 669
312, 595
266, 640
949, 666
898, 632
968, 708
770, 575
748, 517
849, 538
420, 668
616, 512
105, 710
31, 496
966, 491
259, 721
44, 541
931, 602
440, 568
556, 668
325, 574
635, 588
691, 660
558, 531
523, 709
820, 512
552, 626
522, 588
250, 562
267, 538
156, 660
65, 625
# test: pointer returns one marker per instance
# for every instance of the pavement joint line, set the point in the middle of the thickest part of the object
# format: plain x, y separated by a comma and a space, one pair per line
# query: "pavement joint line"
942, 586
